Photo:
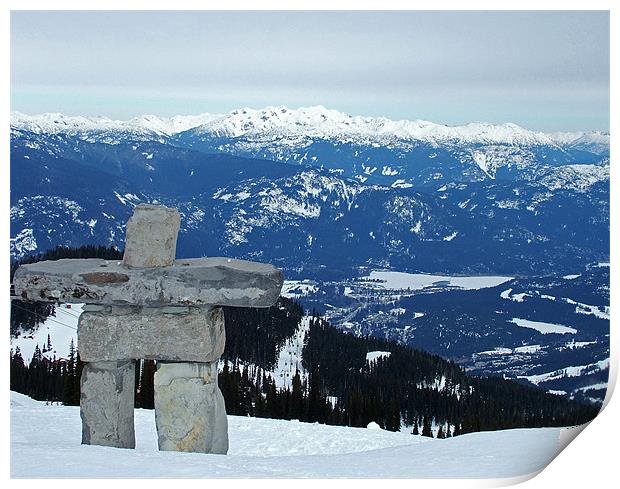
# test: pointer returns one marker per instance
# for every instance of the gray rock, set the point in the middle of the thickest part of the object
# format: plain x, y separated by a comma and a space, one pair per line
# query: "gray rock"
96, 308
106, 404
198, 281
189, 334
151, 236
220, 433
189, 408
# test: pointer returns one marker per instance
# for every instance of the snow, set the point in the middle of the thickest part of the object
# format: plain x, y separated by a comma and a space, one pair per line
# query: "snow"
418, 281
544, 328
595, 141
290, 356
567, 372
372, 356
519, 297
147, 125
23, 243
45, 443
496, 351
400, 183
294, 289
593, 387
62, 328
389, 171
571, 277
480, 159
506, 294
581, 308
528, 349
574, 177
571, 345
294, 126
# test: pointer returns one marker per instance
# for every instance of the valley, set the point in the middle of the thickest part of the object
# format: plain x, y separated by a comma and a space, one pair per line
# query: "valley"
551, 332
479, 243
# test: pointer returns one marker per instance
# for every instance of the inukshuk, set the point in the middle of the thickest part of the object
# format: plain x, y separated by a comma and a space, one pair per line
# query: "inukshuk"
151, 306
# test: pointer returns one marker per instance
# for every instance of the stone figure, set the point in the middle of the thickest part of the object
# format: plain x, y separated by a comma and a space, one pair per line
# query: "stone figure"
151, 306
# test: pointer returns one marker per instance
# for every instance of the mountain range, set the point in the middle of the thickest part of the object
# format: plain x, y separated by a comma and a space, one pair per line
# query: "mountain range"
411, 195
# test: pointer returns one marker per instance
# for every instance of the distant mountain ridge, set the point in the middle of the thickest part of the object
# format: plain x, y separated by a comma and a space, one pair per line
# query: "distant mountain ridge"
316, 121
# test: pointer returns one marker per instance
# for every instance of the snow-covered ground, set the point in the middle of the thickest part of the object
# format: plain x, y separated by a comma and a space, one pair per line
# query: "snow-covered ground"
45, 443
294, 289
372, 356
567, 372
290, 356
62, 328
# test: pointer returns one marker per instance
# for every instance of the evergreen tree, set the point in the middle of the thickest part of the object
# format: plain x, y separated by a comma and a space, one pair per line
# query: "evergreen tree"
147, 387
392, 421
415, 430
71, 392
426, 427
297, 397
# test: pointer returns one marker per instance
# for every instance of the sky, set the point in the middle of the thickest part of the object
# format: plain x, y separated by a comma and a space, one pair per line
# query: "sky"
539, 69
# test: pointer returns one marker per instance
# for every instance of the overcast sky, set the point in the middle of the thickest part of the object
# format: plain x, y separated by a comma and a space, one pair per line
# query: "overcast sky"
542, 70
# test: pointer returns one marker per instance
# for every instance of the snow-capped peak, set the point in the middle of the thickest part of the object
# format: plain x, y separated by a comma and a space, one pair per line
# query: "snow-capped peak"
55, 123
595, 141
310, 122
172, 125
318, 121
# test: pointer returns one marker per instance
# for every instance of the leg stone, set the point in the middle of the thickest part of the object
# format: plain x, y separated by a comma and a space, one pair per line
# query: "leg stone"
189, 408
106, 404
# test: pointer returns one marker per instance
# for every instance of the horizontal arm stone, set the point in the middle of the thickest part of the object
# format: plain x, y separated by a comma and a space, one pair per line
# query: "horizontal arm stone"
198, 281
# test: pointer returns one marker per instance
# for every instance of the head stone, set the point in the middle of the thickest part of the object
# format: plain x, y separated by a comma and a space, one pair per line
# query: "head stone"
151, 237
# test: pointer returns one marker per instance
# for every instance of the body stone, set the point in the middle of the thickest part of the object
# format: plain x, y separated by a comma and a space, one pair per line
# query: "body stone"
173, 333
106, 404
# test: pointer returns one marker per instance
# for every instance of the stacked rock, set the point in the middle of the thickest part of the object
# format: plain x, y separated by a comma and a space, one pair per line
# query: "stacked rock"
151, 306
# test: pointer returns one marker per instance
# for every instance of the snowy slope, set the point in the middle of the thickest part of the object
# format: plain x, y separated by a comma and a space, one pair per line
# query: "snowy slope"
61, 328
45, 443
290, 357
